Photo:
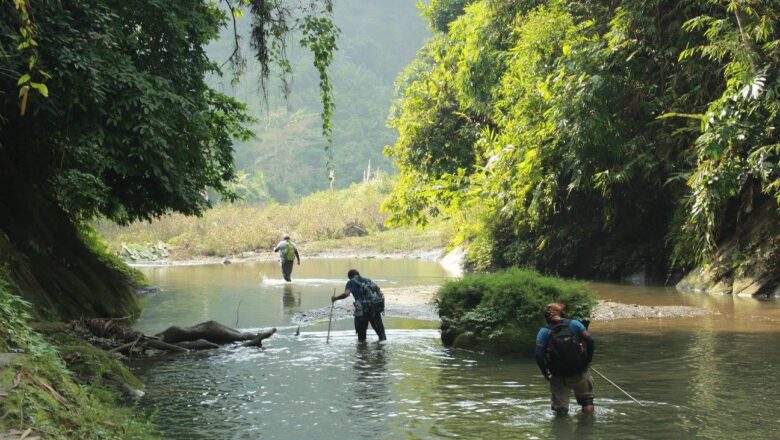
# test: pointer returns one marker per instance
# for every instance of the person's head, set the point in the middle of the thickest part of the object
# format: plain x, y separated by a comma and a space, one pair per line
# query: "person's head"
553, 311
353, 273
286, 236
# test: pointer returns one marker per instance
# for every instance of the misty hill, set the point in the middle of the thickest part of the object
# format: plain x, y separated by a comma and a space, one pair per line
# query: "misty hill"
286, 160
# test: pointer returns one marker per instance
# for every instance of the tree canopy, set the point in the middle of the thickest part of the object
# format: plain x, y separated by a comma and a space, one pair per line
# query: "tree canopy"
127, 129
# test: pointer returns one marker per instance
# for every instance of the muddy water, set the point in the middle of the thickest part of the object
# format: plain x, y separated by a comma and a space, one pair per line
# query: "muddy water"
710, 377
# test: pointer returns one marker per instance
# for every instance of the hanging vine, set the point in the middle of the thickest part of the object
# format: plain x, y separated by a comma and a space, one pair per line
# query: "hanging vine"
35, 77
273, 23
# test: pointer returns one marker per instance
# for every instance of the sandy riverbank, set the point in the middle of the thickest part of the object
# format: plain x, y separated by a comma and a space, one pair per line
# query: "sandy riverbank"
418, 302
253, 257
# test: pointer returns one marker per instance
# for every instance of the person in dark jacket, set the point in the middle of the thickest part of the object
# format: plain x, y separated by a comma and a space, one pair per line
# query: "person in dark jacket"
564, 351
364, 312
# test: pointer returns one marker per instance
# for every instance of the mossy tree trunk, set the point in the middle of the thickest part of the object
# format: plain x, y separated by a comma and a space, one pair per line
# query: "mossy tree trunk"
47, 259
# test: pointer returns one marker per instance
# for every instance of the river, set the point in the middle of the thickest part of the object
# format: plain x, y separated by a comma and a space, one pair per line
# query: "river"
709, 377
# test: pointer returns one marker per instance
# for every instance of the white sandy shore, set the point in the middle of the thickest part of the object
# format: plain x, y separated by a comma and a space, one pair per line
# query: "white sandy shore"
418, 302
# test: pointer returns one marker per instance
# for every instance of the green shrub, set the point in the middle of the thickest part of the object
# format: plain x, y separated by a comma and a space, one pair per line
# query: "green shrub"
502, 312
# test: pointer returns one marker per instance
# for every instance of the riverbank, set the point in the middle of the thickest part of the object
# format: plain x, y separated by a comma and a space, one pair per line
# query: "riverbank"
321, 223
305, 251
54, 383
418, 302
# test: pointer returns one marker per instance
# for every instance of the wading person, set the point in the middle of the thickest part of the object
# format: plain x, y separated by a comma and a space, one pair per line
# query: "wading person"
288, 253
564, 350
369, 304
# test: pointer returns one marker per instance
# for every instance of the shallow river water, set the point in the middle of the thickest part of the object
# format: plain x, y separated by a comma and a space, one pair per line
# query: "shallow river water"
711, 377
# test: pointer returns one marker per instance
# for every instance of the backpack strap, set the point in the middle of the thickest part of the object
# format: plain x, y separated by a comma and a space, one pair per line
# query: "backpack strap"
563, 321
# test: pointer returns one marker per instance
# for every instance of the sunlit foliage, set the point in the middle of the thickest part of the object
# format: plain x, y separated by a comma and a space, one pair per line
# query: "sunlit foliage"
589, 138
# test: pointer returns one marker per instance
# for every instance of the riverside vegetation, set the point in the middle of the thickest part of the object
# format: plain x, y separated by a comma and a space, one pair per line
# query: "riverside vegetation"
501, 312
60, 386
325, 221
598, 139
95, 127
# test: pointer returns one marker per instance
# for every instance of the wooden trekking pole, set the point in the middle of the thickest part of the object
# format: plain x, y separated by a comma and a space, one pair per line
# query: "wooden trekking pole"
327, 339
616, 386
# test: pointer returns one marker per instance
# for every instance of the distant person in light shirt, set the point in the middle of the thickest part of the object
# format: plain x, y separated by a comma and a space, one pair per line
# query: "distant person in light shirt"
288, 253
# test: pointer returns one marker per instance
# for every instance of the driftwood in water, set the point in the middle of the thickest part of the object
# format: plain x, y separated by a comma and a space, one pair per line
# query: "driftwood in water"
257, 341
211, 331
200, 344
116, 337
161, 345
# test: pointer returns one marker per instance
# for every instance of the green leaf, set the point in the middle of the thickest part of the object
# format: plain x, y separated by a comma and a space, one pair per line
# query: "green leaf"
41, 88
23, 79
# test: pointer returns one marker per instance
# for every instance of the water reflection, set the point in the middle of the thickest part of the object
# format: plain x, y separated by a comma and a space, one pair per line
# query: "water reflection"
291, 299
369, 390
579, 427
699, 378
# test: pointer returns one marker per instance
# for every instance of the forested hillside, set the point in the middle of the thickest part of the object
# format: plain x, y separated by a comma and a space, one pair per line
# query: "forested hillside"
595, 139
286, 159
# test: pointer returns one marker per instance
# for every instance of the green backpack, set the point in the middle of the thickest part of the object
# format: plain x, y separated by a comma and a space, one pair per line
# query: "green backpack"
289, 252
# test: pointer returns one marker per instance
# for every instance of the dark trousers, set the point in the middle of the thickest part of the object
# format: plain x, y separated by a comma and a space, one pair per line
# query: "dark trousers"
287, 267
375, 319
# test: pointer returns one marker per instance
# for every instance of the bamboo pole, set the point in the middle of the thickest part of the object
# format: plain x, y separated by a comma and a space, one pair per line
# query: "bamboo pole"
330, 319
616, 386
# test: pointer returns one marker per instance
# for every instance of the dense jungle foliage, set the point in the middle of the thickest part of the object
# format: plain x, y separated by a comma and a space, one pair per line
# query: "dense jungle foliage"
590, 138
105, 111
502, 311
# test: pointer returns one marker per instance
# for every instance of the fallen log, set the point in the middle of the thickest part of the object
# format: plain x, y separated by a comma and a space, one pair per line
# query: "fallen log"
160, 345
257, 341
211, 331
204, 336
200, 344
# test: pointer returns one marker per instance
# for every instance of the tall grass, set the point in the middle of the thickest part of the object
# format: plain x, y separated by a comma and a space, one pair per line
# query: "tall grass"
322, 221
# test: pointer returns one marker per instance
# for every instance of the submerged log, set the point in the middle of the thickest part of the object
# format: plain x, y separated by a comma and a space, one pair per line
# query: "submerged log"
200, 344
257, 341
211, 331
204, 336
160, 345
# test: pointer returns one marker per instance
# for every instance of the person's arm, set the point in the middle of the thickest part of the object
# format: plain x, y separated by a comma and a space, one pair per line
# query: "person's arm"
296, 254
338, 297
585, 336
540, 355
590, 346
276, 248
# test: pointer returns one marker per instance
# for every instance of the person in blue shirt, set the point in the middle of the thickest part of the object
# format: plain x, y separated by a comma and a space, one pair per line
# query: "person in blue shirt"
564, 350
364, 313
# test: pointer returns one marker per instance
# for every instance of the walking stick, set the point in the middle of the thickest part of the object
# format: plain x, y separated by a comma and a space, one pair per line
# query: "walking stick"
615, 385
327, 340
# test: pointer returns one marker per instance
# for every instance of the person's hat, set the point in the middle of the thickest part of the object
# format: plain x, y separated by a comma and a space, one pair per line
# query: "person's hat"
286, 236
